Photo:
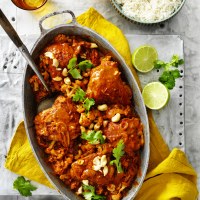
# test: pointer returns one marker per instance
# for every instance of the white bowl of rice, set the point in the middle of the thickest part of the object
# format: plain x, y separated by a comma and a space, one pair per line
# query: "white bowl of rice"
148, 11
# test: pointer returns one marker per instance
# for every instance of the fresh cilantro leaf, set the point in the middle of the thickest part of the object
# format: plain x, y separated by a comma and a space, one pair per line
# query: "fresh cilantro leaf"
159, 64
175, 73
99, 137
72, 63
167, 79
170, 84
89, 188
169, 75
98, 197
89, 193
79, 95
181, 62
86, 64
175, 61
94, 137
75, 73
23, 186
72, 69
118, 152
167, 66
88, 103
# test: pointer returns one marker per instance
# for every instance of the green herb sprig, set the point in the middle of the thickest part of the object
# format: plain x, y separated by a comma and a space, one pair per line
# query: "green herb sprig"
94, 137
83, 65
86, 64
169, 75
89, 193
73, 70
88, 103
80, 96
23, 186
118, 152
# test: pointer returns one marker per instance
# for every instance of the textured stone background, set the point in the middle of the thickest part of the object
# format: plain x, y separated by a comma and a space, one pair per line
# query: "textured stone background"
186, 24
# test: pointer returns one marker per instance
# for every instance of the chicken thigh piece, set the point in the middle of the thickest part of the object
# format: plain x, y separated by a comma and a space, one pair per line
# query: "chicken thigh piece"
60, 122
106, 86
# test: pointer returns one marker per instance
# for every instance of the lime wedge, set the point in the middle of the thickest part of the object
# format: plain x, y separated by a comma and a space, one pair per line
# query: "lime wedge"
143, 58
155, 95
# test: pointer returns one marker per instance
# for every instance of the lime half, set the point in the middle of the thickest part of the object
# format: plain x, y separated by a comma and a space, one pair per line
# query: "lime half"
155, 95
143, 58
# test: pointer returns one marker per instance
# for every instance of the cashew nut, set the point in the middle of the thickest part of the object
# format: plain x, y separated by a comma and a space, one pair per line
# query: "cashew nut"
116, 117
102, 107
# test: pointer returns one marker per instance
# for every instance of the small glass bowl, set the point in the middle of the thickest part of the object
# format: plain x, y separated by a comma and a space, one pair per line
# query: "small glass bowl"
21, 4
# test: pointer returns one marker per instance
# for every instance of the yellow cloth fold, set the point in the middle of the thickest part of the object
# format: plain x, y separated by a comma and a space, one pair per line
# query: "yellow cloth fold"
21, 160
173, 178
170, 176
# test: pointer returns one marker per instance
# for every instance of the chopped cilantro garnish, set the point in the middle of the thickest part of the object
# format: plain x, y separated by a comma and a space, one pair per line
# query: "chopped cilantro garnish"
79, 95
89, 193
75, 73
86, 64
72, 68
167, 79
169, 76
118, 152
72, 63
23, 186
88, 103
176, 61
159, 64
94, 137
175, 73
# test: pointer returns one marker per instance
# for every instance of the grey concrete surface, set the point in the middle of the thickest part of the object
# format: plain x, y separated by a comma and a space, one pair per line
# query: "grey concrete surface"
186, 24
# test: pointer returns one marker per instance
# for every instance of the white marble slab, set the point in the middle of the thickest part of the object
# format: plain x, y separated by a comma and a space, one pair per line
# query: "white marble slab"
186, 24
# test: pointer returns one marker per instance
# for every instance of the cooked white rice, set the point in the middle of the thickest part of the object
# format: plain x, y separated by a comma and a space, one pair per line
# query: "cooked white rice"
149, 10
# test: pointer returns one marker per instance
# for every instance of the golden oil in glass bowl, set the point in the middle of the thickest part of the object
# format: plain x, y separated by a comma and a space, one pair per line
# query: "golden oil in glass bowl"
29, 4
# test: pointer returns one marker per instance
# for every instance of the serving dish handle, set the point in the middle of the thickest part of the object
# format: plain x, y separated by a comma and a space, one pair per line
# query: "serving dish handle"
43, 30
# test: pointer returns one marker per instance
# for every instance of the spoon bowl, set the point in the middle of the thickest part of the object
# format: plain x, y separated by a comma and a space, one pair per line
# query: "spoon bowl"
47, 102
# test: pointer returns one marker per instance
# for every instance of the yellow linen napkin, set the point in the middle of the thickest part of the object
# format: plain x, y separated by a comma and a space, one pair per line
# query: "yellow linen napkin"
21, 160
170, 176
